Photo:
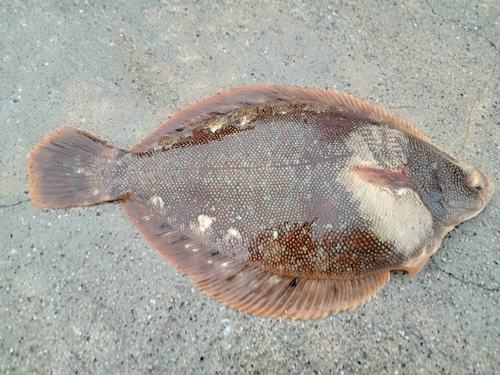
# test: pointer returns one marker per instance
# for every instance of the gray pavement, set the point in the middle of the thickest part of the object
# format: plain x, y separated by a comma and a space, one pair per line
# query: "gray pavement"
81, 292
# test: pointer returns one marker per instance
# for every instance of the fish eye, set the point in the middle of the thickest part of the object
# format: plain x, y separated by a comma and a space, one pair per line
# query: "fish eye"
476, 182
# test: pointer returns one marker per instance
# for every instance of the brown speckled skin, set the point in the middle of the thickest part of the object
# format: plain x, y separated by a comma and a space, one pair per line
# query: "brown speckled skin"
280, 172
260, 201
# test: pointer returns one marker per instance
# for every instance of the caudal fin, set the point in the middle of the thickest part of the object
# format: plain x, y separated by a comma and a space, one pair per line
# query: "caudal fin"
72, 168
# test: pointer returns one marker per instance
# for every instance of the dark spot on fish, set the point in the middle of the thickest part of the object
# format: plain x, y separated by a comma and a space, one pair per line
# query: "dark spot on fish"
163, 226
214, 253
293, 283
144, 154
181, 238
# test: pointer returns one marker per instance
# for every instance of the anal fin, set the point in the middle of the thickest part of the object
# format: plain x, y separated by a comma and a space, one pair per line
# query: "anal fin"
245, 287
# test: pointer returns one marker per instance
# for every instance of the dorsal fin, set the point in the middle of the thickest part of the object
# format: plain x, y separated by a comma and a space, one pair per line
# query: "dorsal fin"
250, 95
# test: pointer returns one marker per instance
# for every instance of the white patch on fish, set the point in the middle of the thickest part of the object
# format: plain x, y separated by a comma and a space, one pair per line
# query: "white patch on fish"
157, 201
205, 222
233, 234
215, 126
244, 121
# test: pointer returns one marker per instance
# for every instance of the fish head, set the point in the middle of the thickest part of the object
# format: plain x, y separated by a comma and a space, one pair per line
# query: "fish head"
453, 190
472, 193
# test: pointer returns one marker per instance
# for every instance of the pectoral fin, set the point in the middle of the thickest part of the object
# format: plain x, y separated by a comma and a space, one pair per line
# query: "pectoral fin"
382, 177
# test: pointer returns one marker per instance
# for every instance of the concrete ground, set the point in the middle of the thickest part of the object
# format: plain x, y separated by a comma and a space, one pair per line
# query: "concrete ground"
82, 292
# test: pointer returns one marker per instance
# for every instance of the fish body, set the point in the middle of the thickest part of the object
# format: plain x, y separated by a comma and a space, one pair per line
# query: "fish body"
277, 201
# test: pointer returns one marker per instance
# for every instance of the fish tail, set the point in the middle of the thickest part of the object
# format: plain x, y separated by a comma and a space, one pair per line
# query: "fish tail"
73, 168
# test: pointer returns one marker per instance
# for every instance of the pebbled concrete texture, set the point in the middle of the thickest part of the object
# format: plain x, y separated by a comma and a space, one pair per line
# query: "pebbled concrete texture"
81, 292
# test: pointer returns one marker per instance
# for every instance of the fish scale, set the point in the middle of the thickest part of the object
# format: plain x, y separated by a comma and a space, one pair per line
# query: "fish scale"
277, 201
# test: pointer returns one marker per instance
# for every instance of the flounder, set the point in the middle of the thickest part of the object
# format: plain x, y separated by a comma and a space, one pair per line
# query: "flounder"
278, 201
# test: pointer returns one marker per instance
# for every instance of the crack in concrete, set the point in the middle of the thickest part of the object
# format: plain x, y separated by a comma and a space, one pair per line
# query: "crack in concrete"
467, 282
433, 11
479, 99
14, 204
461, 24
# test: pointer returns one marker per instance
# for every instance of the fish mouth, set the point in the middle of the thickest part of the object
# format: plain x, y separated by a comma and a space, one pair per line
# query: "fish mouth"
485, 195
477, 179
487, 192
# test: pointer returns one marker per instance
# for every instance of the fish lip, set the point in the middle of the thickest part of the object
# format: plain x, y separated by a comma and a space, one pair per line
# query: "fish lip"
487, 192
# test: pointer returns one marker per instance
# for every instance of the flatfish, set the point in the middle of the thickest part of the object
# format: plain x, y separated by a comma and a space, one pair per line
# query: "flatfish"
278, 201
